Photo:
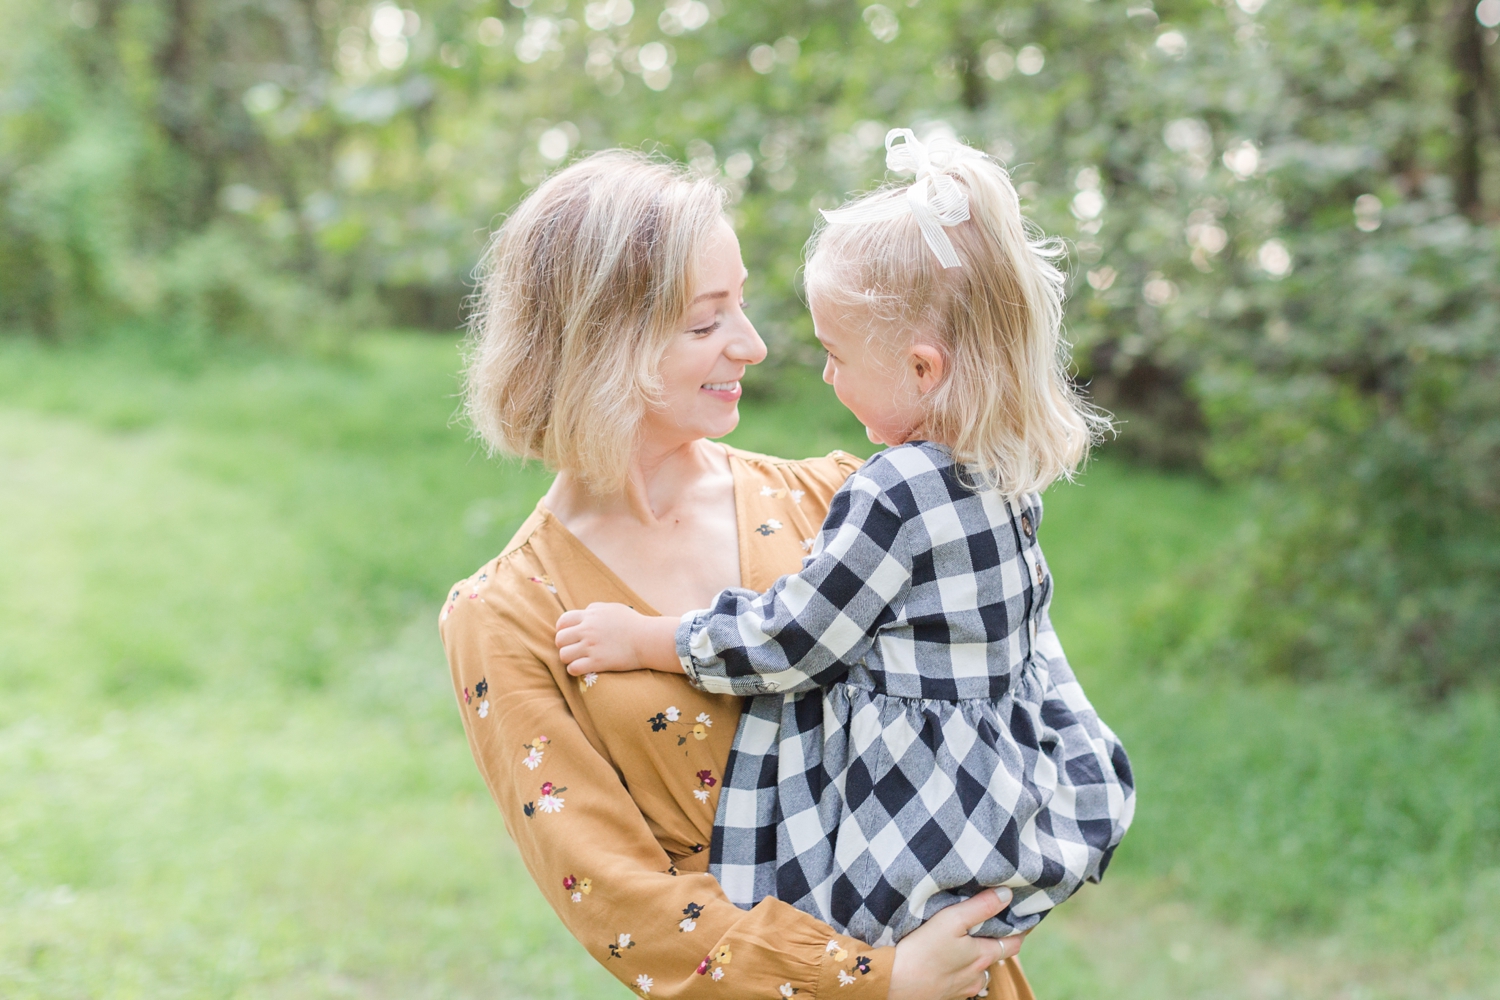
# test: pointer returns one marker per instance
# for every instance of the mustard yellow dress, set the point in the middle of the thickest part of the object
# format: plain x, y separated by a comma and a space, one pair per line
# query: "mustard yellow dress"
608, 784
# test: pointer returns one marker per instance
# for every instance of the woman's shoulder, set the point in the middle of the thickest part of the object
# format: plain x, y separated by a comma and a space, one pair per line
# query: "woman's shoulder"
823, 474
511, 595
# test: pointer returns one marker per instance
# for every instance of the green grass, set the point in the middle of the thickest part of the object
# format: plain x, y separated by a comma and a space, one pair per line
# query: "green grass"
230, 765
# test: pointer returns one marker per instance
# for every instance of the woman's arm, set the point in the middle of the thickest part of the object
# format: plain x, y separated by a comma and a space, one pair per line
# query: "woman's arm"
589, 848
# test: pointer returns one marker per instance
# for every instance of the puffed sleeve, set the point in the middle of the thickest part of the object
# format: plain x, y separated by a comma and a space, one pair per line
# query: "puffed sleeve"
588, 845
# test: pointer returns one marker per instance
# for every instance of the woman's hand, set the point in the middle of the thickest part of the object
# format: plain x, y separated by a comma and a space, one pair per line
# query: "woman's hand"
940, 961
604, 637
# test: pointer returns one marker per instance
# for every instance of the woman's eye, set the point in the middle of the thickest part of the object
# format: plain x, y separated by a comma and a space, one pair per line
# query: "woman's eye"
703, 330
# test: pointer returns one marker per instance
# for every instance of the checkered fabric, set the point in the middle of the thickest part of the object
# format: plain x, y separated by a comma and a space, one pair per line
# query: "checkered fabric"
918, 734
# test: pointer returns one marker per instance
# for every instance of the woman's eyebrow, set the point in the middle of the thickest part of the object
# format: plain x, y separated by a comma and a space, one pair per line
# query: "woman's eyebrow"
722, 293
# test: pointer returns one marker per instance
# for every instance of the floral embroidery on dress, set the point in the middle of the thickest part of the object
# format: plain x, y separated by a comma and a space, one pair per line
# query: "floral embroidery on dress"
770, 527
577, 888
807, 544
533, 758
716, 959
797, 495
587, 681
474, 594
484, 708
787, 990
550, 802
671, 869
620, 945
672, 716
689, 921
837, 951
545, 581
468, 696
644, 983
718, 973
448, 608
844, 978
863, 965
706, 780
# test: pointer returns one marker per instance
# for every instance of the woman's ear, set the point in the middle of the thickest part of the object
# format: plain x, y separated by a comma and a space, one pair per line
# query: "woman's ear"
926, 364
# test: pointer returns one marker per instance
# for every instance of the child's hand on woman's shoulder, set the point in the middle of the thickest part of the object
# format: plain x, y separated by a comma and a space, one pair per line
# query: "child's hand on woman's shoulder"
606, 637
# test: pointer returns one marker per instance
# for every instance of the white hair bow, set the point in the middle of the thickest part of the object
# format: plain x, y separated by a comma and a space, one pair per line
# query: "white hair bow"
935, 198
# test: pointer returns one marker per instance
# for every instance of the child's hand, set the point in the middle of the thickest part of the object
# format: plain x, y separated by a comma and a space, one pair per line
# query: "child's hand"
598, 639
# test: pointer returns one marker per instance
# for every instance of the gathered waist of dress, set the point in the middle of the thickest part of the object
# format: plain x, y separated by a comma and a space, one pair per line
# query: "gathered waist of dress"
1021, 683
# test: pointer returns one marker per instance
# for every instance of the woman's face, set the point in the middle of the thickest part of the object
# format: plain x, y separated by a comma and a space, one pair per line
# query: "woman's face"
701, 370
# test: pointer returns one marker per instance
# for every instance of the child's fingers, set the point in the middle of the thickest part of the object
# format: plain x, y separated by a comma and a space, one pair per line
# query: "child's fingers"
580, 666
568, 619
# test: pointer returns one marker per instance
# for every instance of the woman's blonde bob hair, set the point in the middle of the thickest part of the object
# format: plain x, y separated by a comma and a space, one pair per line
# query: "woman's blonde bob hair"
580, 291
1005, 404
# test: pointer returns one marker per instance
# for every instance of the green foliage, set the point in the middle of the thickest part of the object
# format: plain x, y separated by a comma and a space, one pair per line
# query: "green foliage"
1282, 216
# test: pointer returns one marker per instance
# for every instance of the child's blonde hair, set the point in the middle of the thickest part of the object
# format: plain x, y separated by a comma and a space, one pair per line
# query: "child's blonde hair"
580, 293
1005, 404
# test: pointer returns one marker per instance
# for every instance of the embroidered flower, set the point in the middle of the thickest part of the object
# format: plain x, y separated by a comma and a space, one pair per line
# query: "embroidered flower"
718, 974
700, 795
770, 527
797, 495
703, 965
787, 989
705, 720
687, 924
863, 965
644, 983
723, 955
585, 885
807, 544
569, 882
620, 944
700, 731
587, 681
468, 696
482, 688
484, 708
767, 491
672, 713
545, 581
658, 722
551, 800
577, 897
707, 779
533, 758
837, 951
844, 978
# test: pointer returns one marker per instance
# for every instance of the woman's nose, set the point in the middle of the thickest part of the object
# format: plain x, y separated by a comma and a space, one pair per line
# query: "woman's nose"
746, 347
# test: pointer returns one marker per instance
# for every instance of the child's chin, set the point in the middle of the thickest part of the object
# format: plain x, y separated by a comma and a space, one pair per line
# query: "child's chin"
874, 438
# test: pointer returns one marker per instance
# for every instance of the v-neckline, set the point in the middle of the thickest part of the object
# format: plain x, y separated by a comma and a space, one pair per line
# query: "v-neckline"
736, 475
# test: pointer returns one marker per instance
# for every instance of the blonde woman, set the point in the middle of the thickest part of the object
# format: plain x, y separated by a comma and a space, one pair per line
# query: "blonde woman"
609, 344
921, 736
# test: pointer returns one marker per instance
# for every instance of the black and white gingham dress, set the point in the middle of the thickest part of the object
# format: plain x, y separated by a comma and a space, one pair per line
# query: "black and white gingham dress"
918, 734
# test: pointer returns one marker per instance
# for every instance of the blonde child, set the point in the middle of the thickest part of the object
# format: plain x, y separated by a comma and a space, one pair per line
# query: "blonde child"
918, 734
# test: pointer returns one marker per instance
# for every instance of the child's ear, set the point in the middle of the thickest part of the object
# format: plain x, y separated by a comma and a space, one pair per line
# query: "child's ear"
926, 365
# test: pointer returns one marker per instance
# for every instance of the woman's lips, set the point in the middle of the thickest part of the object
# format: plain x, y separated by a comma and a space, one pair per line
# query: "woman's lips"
727, 391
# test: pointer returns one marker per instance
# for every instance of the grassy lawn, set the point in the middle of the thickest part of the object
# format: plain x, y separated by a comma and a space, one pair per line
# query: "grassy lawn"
230, 765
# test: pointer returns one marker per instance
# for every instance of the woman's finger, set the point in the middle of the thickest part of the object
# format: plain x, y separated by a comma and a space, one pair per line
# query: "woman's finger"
976, 909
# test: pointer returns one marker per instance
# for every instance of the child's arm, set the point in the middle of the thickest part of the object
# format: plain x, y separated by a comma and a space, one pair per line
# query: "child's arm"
804, 632
604, 637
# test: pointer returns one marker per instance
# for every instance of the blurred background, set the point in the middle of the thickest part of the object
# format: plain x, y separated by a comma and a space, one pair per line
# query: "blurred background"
235, 242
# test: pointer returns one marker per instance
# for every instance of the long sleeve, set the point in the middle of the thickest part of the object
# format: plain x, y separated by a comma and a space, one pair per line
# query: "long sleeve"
590, 848
801, 633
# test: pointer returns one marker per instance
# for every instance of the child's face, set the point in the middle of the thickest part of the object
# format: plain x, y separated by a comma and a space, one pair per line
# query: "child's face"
701, 369
881, 385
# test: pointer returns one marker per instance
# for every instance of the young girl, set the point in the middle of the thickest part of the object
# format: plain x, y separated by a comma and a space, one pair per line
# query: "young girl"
919, 735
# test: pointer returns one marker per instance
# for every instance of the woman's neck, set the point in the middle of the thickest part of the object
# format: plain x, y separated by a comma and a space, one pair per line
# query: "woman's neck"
659, 479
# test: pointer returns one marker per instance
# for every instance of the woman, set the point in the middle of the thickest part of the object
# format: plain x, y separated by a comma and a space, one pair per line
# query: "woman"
609, 343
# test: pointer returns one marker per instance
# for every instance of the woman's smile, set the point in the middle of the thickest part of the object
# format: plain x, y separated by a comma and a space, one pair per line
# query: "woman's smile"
729, 392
